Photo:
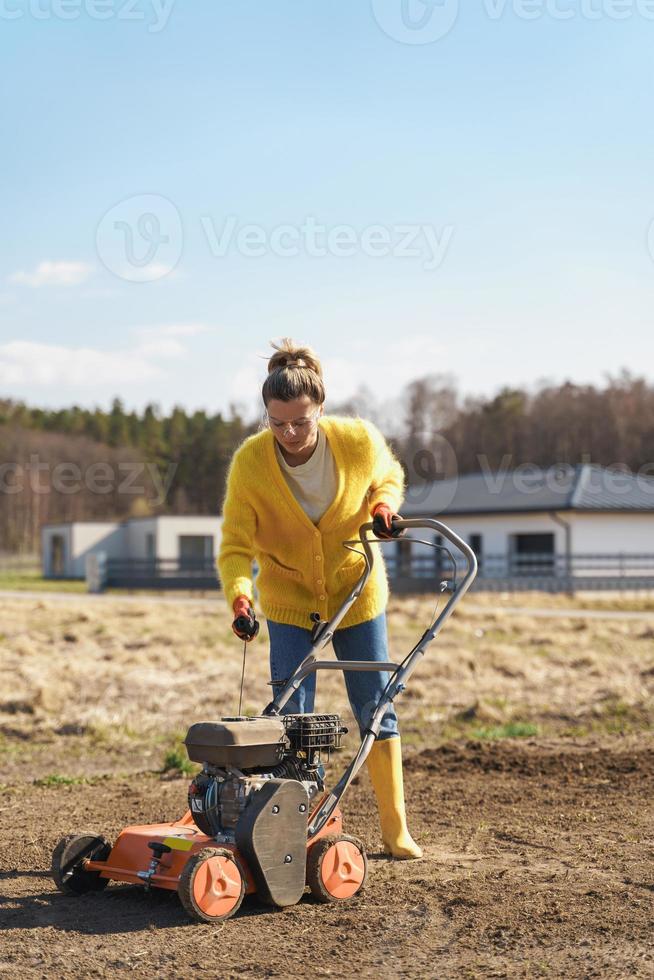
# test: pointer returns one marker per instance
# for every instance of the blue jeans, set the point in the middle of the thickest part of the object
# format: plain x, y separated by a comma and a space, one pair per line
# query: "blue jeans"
289, 645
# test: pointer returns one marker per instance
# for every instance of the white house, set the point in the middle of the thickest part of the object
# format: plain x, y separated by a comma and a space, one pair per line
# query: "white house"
586, 522
190, 540
582, 526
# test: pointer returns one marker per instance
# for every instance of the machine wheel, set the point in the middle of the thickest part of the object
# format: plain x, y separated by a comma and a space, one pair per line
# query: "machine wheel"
67, 869
337, 867
212, 885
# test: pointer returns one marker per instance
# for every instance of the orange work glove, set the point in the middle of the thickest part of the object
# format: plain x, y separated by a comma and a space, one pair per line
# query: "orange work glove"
382, 523
245, 623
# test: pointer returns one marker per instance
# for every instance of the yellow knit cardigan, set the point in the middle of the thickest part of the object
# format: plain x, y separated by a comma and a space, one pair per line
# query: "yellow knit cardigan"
303, 567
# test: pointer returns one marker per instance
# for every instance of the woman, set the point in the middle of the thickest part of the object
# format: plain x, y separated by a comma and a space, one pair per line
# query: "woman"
295, 492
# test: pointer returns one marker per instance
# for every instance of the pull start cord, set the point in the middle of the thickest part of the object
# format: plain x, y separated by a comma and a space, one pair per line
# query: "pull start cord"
240, 697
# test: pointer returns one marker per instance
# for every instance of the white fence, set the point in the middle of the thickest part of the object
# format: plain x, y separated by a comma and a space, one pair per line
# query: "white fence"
10, 564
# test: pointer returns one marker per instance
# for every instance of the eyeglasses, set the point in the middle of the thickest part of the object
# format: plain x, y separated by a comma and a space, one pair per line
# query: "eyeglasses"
300, 425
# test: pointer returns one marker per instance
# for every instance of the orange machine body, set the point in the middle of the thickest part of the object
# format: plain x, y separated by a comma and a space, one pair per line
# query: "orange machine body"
131, 854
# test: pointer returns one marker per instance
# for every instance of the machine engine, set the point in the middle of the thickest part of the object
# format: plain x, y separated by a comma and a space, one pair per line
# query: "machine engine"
239, 755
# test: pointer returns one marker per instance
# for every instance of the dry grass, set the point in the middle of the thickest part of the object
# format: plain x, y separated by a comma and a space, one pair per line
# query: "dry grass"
32, 580
624, 600
109, 683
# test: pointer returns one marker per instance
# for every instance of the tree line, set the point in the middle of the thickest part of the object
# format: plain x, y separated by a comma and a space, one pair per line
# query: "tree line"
611, 425
77, 464
89, 464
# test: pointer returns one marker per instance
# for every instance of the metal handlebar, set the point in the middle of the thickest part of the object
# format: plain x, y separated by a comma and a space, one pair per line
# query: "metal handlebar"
325, 631
400, 673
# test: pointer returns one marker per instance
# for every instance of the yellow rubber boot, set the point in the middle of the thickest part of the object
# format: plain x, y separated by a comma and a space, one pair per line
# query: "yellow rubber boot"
385, 768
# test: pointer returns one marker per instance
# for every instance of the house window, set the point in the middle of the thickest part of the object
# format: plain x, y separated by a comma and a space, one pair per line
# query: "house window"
149, 545
476, 543
532, 554
404, 558
57, 555
195, 550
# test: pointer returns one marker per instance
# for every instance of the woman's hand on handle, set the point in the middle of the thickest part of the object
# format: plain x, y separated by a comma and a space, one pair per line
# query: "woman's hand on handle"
245, 625
382, 523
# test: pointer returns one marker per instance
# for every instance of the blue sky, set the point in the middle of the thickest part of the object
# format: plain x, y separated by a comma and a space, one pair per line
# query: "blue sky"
512, 158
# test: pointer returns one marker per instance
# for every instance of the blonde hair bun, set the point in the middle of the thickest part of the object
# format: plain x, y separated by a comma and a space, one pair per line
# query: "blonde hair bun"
293, 370
288, 354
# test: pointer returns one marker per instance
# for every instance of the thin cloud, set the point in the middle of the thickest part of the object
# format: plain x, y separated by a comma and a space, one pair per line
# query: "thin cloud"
161, 347
173, 330
162, 340
153, 272
24, 363
49, 273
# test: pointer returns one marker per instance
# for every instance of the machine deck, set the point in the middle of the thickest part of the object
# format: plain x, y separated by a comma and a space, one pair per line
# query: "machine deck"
131, 855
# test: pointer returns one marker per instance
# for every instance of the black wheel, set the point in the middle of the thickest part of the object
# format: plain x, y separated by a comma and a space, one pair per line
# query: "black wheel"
212, 885
67, 869
337, 867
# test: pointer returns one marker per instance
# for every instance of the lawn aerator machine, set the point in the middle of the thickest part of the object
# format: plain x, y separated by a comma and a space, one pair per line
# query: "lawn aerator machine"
259, 819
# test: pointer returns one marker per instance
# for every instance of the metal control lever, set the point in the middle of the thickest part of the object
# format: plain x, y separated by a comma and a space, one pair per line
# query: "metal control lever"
318, 626
158, 850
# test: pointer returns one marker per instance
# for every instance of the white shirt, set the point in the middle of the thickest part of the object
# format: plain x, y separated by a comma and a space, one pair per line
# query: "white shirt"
314, 483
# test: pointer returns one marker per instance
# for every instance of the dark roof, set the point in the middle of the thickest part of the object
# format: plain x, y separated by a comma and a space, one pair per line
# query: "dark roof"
531, 489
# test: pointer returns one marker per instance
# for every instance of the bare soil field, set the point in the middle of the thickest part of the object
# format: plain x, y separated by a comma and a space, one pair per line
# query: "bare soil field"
529, 777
